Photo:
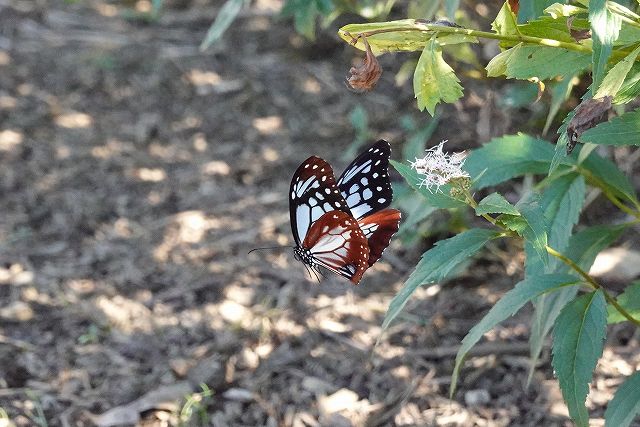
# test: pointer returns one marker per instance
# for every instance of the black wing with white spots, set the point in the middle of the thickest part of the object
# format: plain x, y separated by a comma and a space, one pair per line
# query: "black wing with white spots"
313, 193
365, 183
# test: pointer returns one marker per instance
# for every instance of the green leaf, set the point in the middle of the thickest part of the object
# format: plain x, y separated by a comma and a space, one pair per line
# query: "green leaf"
547, 307
557, 10
630, 88
555, 29
584, 246
535, 231
578, 340
325, 7
621, 130
625, 405
507, 157
559, 152
438, 199
437, 263
559, 94
532, 9
605, 28
544, 62
582, 249
614, 79
629, 300
562, 202
450, 8
434, 81
507, 306
505, 23
605, 174
495, 203
227, 14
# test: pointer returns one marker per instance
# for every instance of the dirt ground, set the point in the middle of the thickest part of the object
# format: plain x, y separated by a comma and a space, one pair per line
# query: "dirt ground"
135, 174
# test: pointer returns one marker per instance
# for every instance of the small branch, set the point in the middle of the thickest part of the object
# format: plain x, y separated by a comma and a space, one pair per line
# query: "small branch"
431, 29
591, 282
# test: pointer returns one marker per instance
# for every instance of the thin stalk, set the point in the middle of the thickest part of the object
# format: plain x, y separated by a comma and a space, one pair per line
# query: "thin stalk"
595, 285
431, 29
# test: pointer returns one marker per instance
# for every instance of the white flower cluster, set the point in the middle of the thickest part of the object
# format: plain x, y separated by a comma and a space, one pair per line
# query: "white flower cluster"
437, 167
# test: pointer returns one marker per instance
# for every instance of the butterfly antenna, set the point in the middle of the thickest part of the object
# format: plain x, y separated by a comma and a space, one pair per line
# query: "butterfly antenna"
318, 271
308, 271
270, 247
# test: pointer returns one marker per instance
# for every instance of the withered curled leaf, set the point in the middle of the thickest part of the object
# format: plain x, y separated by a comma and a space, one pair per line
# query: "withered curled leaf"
588, 114
364, 77
577, 34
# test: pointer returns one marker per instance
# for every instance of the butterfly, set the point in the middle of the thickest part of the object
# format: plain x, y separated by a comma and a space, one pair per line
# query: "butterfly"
344, 225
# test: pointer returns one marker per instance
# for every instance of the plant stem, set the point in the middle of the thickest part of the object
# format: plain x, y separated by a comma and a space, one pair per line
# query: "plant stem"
591, 282
471, 202
431, 29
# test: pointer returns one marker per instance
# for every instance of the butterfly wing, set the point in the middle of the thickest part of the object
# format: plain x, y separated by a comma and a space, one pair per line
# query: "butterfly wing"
366, 187
336, 242
313, 192
378, 228
365, 182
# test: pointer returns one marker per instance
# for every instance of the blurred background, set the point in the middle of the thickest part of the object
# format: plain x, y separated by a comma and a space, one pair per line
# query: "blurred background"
136, 171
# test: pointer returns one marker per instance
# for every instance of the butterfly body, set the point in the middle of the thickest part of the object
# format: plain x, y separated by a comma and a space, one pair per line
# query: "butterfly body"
343, 226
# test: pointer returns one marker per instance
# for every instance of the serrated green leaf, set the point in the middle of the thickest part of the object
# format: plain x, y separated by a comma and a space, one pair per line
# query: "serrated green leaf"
614, 79
630, 88
625, 405
562, 202
629, 300
438, 199
621, 130
555, 29
536, 230
546, 310
605, 28
507, 306
505, 23
434, 81
578, 340
496, 203
582, 249
543, 62
437, 263
506, 157
225, 17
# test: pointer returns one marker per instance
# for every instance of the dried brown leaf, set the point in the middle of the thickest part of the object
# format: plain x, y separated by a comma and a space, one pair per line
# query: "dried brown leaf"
577, 34
364, 77
588, 114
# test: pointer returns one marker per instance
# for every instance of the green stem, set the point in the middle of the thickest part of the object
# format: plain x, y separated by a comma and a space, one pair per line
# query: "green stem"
596, 182
591, 282
588, 279
431, 29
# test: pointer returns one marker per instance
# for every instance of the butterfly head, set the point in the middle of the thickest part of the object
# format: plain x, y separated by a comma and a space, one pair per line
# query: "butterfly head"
303, 255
